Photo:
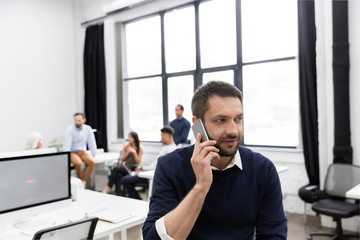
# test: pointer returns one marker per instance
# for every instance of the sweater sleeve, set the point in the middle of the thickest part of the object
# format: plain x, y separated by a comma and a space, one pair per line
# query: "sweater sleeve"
163, 198
271, 221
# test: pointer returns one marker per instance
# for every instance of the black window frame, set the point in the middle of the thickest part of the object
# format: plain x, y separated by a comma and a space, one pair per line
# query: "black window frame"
198, 72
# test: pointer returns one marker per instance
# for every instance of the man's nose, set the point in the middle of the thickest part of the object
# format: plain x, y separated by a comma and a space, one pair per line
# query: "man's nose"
231, 128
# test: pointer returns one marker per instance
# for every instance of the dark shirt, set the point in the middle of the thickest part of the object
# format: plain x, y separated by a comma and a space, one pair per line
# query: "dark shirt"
238, 202
181, 128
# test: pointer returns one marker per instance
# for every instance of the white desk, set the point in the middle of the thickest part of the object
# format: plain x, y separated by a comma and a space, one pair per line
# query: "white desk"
281, 169
99, 176
354, 192
87, 200
106, 157
149, 175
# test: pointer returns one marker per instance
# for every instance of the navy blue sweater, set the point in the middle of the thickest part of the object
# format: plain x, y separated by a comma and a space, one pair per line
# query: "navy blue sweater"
238, 202
181, 128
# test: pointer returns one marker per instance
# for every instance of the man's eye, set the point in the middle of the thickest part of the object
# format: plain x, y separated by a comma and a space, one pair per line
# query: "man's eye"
220, 120
238, 119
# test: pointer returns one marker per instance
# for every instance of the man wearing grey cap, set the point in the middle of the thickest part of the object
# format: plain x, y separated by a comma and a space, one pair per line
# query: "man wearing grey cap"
169, 145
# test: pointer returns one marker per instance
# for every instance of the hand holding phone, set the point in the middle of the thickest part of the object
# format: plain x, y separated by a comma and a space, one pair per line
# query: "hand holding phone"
203, 155
198, 127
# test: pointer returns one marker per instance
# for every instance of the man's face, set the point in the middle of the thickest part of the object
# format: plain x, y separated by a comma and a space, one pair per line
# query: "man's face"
224, 123
79, 121
178, 112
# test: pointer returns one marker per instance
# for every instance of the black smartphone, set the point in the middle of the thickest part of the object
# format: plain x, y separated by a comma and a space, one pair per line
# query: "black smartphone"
198, 127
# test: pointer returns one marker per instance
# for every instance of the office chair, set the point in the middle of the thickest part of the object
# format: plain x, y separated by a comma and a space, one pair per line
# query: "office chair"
78, 230
339, 179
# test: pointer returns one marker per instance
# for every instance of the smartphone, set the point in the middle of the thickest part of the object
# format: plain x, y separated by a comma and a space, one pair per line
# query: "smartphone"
198, 127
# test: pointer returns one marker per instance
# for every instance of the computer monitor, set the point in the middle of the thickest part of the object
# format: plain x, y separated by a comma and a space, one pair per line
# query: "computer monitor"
30, 185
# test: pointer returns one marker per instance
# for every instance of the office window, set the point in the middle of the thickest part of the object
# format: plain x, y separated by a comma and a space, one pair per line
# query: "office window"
271, 105
269, 29
180, 55
145, 107
226, 76
217, 33
143, 52
249, 43
180, 91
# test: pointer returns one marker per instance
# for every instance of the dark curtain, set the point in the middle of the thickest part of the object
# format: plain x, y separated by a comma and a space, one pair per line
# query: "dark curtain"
308, 94
341, 65
95, 83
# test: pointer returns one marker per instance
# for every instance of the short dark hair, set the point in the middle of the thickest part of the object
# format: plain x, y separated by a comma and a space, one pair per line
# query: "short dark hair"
199, 103
168, 129
181, 106
79, 113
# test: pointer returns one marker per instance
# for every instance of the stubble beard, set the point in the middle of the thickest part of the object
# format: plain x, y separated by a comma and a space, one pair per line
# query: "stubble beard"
228, 152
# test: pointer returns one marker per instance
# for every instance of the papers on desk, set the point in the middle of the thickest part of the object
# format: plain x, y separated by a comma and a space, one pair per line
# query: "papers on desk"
109, 215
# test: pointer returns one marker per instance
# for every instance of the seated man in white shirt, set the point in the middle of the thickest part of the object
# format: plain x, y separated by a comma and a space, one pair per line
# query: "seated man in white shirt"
77, 137
129, 181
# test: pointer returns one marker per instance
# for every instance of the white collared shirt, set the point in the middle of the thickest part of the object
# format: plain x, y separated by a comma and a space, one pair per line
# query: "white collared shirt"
160, 224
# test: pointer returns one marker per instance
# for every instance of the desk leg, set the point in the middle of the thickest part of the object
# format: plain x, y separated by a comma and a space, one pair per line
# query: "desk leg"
111, 236
123, 234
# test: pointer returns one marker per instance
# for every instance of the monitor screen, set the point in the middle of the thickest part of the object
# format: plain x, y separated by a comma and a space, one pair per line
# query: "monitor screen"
30, 181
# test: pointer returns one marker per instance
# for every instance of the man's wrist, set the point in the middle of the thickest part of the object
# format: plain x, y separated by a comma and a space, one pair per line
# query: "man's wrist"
201, 189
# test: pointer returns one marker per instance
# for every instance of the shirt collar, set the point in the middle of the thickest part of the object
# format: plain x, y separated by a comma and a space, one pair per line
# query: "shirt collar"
235, 161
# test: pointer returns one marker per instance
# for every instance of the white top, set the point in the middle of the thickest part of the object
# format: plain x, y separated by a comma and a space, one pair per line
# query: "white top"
166, 149
76, 139
160, 224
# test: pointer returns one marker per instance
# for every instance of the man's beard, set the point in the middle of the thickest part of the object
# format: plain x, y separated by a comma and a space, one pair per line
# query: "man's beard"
225, 152
78, 125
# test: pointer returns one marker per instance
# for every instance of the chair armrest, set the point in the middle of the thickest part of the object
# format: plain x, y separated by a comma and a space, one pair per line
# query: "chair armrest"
311, 187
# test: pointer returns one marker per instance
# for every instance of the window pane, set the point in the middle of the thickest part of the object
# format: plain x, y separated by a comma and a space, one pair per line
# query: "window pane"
226, 76
145, 108
269, 29
180, 40
271, 105
143, 47
180, 91
217, 33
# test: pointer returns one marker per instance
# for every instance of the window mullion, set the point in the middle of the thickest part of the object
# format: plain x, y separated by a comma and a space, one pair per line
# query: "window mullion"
238, 80
163, 72
198, 73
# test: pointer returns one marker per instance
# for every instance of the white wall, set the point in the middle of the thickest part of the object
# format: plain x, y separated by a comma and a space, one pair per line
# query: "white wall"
38, 70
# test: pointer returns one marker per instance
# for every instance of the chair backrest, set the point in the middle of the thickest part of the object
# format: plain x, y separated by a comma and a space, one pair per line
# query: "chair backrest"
78, 230
340, 178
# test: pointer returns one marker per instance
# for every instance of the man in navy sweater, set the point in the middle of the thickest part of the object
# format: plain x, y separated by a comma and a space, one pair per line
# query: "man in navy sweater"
180, 125
216, 189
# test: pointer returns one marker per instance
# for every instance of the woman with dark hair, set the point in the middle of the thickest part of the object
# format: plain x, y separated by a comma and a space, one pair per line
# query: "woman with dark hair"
130, 157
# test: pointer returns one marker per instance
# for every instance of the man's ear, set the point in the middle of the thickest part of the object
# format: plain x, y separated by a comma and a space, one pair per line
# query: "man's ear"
84, 120
194, 119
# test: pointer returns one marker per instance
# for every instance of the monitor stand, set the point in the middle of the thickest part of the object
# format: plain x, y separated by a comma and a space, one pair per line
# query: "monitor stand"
28, 223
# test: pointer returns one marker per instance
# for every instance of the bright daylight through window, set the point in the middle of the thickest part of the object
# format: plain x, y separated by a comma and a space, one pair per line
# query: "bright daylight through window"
249, 43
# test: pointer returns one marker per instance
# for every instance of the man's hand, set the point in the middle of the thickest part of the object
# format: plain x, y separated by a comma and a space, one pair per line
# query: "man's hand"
201, 160
138, 168
180, 221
